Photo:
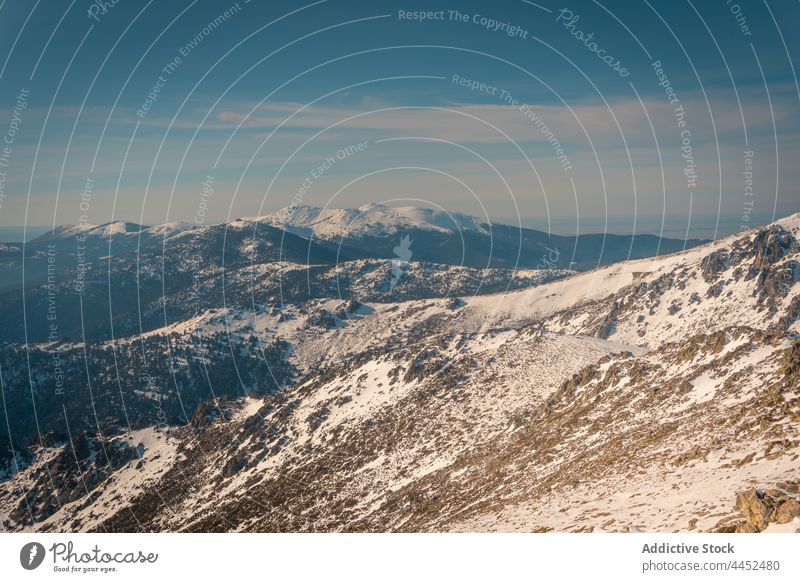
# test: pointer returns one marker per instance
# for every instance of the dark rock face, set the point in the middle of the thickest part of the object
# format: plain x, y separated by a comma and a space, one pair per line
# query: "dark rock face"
774, 277
206, 414
606, 326
12, 460
716, 289
791, 315
790, 365
152, 389
6, 450
323, 318
713, 264
769, 246
455, 303
234, 465
75, 473
760, 259
346, 308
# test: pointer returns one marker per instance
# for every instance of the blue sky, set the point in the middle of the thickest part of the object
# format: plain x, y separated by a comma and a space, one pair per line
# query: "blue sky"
506, 109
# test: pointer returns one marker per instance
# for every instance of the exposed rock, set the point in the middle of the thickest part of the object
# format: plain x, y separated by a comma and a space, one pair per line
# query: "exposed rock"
346, 308
322, 318
234, 465
769, 246
762, 507
454, 303
713, 264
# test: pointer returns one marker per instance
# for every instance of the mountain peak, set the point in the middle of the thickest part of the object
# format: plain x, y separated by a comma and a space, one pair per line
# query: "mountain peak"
117, 227
369, 219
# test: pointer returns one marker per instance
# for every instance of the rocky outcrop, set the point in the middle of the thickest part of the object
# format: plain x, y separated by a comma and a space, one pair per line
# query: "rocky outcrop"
769, 246
791, 314
346, 308
758, 508
774, 276
322, 318
713, 264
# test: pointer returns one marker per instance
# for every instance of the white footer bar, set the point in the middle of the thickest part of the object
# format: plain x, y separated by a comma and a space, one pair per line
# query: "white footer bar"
376, 557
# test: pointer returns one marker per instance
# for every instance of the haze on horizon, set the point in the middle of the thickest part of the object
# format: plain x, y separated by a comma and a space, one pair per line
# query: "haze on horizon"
242, 109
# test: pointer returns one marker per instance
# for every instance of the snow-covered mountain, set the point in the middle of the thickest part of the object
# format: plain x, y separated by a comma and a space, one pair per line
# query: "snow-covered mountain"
456, 239
659, 394
109, 229
369, 220
64, 249
369, 232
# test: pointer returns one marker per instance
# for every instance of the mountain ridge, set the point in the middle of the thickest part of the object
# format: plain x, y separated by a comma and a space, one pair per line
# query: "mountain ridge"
671, 380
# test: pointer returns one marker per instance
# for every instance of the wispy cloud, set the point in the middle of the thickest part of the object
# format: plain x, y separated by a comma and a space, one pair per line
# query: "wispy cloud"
577, 124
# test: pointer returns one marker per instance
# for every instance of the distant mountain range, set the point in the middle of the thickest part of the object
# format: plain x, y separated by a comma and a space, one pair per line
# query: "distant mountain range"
144, 277
370, 232
457, 239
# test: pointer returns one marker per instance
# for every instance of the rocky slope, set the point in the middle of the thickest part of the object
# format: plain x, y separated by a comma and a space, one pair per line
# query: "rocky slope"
660, 394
